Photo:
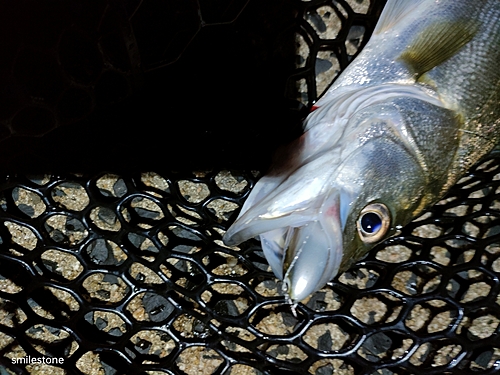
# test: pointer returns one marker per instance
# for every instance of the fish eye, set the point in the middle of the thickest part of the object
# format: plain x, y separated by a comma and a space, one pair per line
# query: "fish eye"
373, 222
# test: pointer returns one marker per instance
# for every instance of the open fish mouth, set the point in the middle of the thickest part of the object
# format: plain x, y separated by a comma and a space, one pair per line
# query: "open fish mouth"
305, 247
311, 259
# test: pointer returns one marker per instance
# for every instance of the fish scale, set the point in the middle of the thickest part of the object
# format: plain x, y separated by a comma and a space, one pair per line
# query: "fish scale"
466, 79
408, 117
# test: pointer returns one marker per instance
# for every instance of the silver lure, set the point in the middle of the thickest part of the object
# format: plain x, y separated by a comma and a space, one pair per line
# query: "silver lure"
408, 117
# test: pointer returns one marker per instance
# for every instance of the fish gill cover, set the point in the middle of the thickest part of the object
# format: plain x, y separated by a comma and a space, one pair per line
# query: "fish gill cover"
127, 273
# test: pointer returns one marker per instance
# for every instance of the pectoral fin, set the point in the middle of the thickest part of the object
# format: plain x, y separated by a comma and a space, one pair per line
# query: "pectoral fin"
437, 43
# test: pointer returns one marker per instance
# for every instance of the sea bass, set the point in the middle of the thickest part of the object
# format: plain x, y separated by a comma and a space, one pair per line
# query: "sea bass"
407, 118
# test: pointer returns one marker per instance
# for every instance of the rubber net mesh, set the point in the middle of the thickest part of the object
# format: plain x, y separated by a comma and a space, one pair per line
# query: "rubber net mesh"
127, 274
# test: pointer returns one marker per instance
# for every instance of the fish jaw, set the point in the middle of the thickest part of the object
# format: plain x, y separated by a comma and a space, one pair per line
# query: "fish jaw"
281, 202
314, 252
304, 243
307, 253
299, 220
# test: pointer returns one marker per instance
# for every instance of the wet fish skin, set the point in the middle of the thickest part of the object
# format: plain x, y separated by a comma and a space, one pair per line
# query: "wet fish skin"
408, 117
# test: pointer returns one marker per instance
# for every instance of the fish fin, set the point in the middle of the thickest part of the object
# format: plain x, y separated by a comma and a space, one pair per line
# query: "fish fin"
394, 11
437, 43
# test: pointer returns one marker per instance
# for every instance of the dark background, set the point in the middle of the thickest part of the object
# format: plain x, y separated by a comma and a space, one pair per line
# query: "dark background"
87, 86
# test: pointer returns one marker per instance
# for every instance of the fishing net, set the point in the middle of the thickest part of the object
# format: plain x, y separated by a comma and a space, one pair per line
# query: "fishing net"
126, 272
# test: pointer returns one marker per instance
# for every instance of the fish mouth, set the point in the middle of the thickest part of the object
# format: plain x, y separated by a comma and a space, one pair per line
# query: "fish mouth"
300, 221
308, 256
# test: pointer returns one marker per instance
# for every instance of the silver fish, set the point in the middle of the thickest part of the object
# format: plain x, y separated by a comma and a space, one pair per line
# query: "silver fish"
411, 114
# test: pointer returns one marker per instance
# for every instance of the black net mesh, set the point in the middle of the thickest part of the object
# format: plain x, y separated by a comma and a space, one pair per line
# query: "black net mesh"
126, 273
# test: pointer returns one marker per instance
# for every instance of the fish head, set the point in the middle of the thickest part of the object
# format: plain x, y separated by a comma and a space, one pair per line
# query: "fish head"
327, 213
378, 189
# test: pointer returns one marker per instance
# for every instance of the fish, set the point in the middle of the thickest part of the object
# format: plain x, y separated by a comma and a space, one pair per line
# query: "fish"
417, 108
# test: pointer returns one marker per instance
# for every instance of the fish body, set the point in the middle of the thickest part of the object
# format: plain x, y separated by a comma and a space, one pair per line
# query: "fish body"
407, 118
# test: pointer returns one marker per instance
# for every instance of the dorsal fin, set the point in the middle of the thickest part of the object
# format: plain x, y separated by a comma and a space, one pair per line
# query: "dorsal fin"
394, 11
437, 43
